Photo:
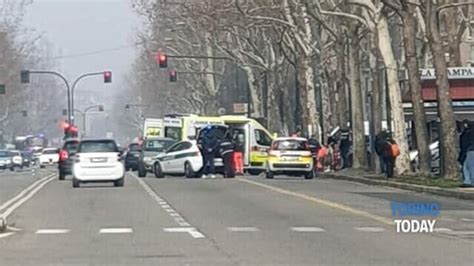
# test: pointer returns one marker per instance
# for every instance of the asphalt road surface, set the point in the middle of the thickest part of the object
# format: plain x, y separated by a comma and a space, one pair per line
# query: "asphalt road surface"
242, 221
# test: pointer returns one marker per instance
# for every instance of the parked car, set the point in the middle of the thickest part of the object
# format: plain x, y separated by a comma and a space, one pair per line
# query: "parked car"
132, 157
17, 160
49, 156
98, 160
66, 157
151, 148
6, 160
290, 156
434, 148
183, 158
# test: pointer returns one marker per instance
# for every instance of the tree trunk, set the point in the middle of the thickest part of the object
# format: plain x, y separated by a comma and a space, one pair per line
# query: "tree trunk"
454, 36
359, 153
341, 86
307, 95
376, 103
421, 132
399, 131
448, 135
256, 103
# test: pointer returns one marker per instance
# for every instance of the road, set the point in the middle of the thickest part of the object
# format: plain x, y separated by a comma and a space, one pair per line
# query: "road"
242, 221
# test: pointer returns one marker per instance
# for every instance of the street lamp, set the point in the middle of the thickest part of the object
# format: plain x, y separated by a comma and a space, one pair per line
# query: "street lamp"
100, 108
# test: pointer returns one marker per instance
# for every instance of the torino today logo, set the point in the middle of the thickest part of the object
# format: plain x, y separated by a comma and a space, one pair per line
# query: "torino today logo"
415, 217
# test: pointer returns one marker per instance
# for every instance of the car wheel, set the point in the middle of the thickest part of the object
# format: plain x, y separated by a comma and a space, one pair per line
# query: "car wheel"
269, 175
62, 176
188, 170
12, 168
158, 171
309, 175
75, 182
120, 182
42, 166
127, 168
141, 171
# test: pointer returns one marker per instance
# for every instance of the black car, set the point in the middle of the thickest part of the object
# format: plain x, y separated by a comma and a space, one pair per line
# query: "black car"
132, 157
66, 157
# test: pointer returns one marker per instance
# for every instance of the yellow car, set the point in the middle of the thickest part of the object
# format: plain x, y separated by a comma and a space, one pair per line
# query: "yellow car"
290, 156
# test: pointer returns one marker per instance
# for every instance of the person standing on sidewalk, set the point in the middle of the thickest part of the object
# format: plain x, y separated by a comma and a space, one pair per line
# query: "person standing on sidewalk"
226, 149
389, 151
378, 144
466, 155
345, 144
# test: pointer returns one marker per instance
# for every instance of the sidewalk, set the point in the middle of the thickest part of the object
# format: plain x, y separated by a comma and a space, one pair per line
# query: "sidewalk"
372, 179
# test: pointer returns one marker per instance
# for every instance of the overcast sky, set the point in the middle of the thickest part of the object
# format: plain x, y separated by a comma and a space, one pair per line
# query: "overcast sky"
75, 27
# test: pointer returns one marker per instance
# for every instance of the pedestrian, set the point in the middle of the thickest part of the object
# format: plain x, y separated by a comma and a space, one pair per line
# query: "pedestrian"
209, 147
345, 144
379, 138
466, 154
389, 150
226, 149
238, 154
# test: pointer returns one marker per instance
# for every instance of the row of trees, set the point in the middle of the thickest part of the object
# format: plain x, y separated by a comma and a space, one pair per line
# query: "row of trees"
22, 48
311, 63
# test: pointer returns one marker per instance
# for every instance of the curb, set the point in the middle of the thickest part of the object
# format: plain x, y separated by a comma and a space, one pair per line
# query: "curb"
452, 193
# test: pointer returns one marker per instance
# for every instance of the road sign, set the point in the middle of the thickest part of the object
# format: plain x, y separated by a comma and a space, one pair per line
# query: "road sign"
240, 108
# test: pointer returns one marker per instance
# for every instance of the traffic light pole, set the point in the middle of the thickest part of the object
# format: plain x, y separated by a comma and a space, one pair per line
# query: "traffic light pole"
84, 113
69, 109
74, 86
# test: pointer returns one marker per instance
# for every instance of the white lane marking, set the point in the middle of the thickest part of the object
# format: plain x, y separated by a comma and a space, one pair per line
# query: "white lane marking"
467, 219
461, 232
307, 229
190, 230
442, 229
3, 235
370, 229
52, 231
243, 229
17, 204
14, 229
24, 191
115, 231
165, 206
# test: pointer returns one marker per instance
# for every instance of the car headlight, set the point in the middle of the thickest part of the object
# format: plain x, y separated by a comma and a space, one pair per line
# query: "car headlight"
148, 159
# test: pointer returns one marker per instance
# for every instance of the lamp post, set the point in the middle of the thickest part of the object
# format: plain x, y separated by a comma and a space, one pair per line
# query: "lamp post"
84, 114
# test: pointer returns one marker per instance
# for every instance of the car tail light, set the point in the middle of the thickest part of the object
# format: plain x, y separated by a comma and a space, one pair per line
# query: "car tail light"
63, 155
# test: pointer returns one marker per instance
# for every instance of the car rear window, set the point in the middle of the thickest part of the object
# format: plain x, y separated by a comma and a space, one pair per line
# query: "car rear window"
158, 145
134, 147
4, 154
50, 151
290, 145
97, 146
71, 145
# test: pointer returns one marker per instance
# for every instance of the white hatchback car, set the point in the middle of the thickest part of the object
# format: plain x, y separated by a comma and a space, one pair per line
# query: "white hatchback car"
98, 160
49, 156
183, 158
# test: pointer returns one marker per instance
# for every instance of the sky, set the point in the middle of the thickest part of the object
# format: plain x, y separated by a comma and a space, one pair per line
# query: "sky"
77, 27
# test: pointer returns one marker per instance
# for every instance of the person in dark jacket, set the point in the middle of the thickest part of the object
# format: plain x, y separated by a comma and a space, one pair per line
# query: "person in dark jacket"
383, 142
226, 148
345, 146
466, 154
209, 145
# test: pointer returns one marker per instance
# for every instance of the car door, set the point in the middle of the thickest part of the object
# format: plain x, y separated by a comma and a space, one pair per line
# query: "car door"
180, 157
169, 160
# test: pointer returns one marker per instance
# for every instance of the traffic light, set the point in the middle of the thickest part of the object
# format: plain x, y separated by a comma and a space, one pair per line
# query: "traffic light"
25, 76
127, 107
173, 76
101, 108
2, 89
73, 130
107, 77
162, 60
24, 113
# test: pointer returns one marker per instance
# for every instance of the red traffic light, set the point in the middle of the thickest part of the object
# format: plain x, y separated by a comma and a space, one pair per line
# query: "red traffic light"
162, 60
107, 77
173, 76
65, 125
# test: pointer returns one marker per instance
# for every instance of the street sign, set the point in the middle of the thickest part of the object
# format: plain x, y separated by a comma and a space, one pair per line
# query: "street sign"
240, 108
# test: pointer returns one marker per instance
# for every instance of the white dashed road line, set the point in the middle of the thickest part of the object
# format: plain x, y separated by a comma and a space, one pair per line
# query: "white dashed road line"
243, 229
185, 226
370, 229
307, 229
3, 235
461, 233
52, 231
115, 231
190, 230
442, 229
467, 219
